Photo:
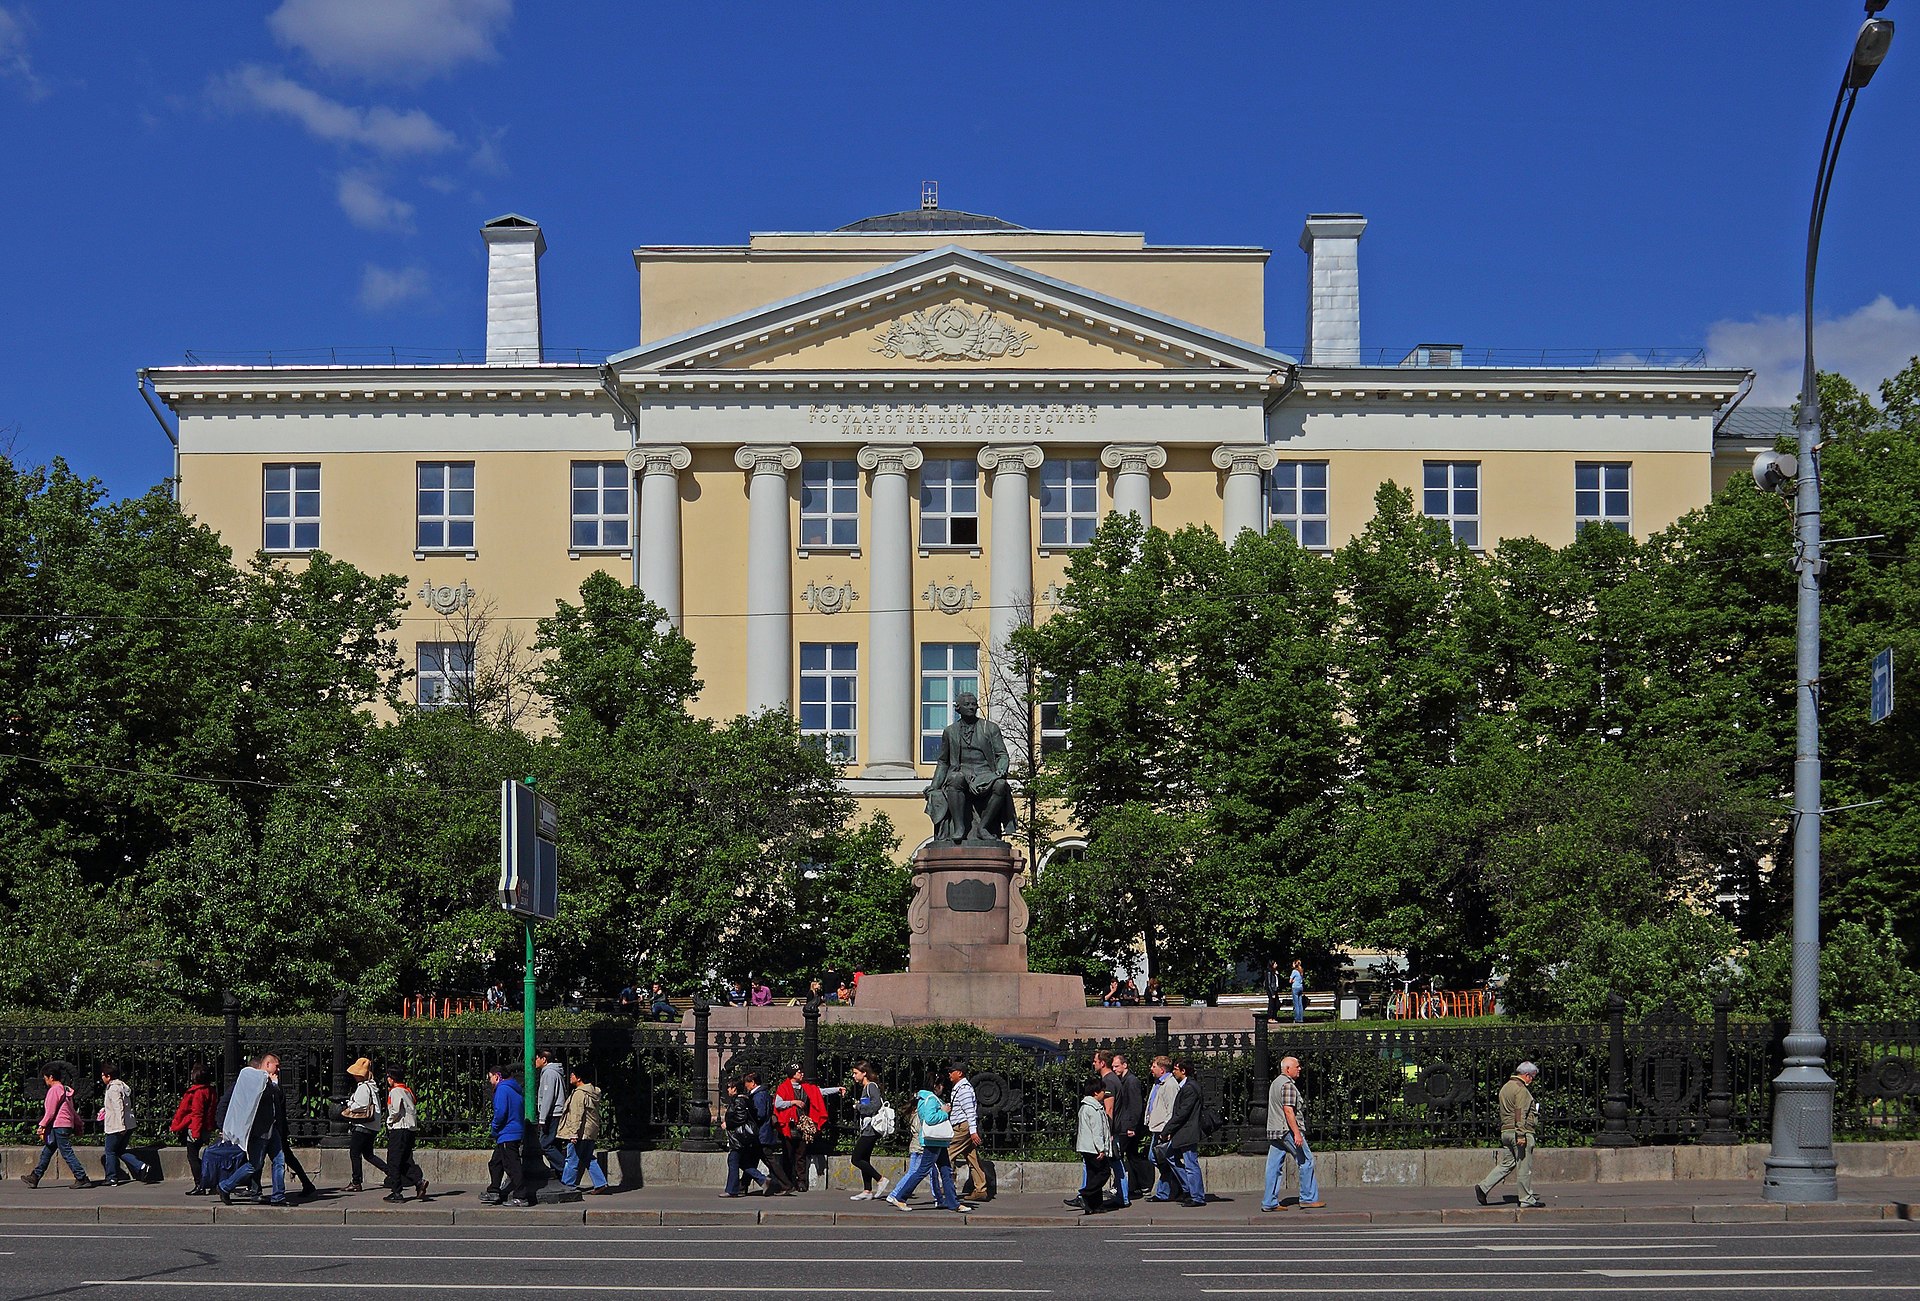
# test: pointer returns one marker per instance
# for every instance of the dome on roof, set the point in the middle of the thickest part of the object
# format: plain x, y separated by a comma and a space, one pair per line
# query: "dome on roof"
932, 219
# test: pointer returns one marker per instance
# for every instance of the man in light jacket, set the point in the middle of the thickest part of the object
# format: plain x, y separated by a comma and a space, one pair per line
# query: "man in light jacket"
549, 1106
1519, 1116
1160, 1111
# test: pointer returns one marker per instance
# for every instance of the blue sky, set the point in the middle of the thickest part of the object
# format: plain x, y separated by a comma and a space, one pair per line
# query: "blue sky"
233, 178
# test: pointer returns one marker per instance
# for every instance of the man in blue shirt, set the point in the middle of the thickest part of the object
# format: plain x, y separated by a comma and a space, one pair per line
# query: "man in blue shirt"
505, 1185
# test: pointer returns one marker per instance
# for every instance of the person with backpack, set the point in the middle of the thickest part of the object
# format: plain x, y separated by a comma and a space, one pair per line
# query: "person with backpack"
362, 1114
192, 1118
579, 1129
117, 1123
57, 1123
872, 1111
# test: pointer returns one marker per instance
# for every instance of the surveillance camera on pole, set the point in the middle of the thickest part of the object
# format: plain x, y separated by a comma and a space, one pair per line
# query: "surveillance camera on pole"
1775, 472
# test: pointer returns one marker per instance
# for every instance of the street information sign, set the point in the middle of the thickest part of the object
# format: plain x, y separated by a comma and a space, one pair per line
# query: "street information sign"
529, 852
1882, 703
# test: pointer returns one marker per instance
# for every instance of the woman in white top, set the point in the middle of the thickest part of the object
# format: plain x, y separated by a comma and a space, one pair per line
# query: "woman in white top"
117, 1122
363, 1120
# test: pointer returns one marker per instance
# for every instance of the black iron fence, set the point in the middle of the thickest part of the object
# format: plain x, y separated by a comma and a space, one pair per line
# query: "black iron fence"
1663, 1079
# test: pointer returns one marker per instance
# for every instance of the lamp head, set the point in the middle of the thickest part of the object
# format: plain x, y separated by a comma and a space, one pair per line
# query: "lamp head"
1775, 472
1869, 49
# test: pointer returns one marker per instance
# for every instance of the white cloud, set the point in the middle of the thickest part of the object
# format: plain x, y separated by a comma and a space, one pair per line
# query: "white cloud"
370, 207
1866, 345
391, 40
15, 64
384, 288
379, 128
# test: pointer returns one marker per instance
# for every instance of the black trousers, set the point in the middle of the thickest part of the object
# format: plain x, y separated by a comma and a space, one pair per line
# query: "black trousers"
863, 1160
503, 1171
401, 1170
360, 1148
194, 1147
1095, 1167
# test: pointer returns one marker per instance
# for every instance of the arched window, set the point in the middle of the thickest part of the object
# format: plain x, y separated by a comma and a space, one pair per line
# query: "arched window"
1062, 851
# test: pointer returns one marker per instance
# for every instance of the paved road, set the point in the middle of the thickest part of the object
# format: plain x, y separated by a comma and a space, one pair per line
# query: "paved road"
1295, 1258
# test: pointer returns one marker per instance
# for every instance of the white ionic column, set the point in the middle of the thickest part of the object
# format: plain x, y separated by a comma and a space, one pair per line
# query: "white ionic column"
1245, 464
1133, 465
1009, 570
657, 562
890, 667
769, 575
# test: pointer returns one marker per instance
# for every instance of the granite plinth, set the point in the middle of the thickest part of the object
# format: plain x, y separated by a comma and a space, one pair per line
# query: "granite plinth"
967, 913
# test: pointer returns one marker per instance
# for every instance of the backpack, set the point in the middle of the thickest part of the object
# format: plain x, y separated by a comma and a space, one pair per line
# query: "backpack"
884, 1120
1210, 1121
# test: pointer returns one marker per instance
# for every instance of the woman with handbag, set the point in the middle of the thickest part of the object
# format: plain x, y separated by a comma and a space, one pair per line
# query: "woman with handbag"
802, 1111
936, 1134
362, 1114
867, 1106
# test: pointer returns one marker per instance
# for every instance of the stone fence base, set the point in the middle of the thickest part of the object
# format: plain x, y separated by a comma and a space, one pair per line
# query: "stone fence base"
1408, 1168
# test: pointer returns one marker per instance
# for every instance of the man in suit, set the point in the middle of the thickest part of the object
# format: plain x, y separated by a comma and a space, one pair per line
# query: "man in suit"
1129, 1122
1183, 1135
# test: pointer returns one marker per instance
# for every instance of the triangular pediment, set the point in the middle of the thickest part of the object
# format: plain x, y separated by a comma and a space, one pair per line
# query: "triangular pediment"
950, 310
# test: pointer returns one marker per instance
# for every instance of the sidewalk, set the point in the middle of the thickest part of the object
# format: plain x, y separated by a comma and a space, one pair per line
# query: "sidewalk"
57, 1201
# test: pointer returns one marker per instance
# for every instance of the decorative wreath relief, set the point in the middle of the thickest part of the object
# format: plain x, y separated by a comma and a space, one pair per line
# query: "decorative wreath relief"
949, 597
952, 333
829, 600
446, 600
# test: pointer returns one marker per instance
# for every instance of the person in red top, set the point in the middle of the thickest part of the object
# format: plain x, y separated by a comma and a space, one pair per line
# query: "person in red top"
192, 1119
801, 1110
56, 1131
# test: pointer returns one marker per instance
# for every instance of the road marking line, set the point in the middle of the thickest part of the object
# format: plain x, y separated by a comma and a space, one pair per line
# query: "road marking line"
756, 1288
658, 1260
1546, 1273
1463, 1260
110, 1237
1599, 1290
749, 1235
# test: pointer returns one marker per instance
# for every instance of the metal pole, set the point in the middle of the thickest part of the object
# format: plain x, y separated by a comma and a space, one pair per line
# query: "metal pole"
1613, 1111
337, 1127
1719, 1129
526, 1027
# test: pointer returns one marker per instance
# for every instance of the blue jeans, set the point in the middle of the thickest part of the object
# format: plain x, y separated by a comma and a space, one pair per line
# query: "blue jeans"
929, 1161
1278, 1150
740, 1169
114, 1151
1165, 1180
59, 1138
1187, 1161
1125, 1149
580, 1152
1299, 1008
917, 1167
276, 1149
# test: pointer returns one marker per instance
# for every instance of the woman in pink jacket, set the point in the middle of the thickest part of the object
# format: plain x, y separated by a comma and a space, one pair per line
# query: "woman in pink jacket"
56, 1131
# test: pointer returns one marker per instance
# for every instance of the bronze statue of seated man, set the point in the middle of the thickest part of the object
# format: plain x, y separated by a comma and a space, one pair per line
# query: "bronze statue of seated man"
970, 800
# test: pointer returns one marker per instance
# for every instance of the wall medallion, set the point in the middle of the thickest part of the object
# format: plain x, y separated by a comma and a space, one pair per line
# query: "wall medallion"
830, 600
950, 597
446, 600
952, 333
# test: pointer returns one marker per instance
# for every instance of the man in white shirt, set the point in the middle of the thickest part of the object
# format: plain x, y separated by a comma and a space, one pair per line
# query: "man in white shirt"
965, 1111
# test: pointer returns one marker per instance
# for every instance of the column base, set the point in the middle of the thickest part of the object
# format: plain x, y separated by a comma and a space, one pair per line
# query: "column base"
884, 770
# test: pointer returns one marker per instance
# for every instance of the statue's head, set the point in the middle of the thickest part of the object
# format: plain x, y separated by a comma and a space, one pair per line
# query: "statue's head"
967, 704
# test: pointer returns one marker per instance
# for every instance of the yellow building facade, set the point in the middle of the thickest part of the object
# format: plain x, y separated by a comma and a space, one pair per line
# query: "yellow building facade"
847, 463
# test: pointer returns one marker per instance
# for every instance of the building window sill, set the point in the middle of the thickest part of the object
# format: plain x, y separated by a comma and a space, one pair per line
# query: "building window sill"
289, 551
963, 549
445, 553
575, 553
851, 553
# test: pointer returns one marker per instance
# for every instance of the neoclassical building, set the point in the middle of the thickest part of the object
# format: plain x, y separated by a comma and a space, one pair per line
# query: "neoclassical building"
846, 462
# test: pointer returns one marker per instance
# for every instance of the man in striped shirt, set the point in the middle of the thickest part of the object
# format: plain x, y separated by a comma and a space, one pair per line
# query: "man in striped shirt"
965, 1111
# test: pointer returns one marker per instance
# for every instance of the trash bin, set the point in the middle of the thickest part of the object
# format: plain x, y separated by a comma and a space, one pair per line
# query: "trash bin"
1349, 1008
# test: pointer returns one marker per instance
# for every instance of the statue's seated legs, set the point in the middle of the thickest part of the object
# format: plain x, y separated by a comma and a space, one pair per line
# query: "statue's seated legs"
970, 816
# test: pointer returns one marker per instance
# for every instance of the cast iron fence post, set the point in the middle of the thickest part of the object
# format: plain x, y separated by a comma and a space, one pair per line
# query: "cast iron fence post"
1253, 1140
1613, 1112
230, 1053
699, 1112
1719, 1095
1160, 1024
810, 1039
337, 1123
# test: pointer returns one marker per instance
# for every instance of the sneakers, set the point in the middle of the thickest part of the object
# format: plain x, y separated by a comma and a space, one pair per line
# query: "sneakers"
1480, 1194
898, 1206
1531, 1203
962, 1206
861, 1197
880, 1189
516, 1201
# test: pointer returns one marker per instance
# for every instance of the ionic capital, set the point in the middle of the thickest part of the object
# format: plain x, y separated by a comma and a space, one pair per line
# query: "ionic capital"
1134, 458
659, 459
1245, 458
1020, 456
890, 460
764, 458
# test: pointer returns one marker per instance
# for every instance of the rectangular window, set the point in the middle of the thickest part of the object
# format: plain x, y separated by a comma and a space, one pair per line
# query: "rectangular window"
1603, 494
1297, 501
1451, 492
444, 671
290, 510
1069, 503
829, 504
947, 669
443, 519
600, 493
829, 690
1053, 727
950, 504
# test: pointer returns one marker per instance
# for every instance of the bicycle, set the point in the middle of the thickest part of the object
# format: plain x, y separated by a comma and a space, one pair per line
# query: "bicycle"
1400, 1005
1432, 1005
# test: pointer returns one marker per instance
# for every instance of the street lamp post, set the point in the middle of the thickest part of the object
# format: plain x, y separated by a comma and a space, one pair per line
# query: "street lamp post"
1800, 1166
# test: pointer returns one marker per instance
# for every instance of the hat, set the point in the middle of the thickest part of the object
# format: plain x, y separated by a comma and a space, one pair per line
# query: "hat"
361, 1069
1526, 1068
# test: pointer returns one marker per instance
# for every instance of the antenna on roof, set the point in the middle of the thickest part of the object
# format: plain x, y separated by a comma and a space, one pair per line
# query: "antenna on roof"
929, 194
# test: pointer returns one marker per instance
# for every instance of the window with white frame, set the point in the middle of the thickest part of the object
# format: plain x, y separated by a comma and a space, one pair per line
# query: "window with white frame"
1053, 723
1603, 494
443, 506
1069, 502
948, 670
290, 508
600, 496
829, 504
829, 692
950, 504
444, 672
1451, 492
1297, 501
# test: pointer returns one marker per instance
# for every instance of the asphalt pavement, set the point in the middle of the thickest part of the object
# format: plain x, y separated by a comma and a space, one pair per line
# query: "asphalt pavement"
1293, 1255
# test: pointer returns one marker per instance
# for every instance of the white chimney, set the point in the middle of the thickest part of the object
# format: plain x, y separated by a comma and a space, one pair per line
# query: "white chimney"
514, 246
1332, 244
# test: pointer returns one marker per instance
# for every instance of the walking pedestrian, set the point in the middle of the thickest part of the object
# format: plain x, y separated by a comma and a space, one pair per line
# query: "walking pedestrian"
1184, 1133
936, 1135
579, 1129
802, 1110
506, 1185
1093, 1140
1297, 983
403, 1123
1519, 1118
192, 1119
867, 1107
1159, 1111
965, 1107
1127, 1104
917, 1162
362, 1114
117, 1122
743, 1137
550, 1104
57, 1123
773, 1141
1287, 1137
1270, 982
1102, 1067
274, 1102
239, 1128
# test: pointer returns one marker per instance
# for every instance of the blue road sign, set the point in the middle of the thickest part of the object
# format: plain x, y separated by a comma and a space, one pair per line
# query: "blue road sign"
1882, 702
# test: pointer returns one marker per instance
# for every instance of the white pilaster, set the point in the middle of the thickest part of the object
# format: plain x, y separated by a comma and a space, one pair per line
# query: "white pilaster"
657, 564
1245, 463
1009, 572
891, 675
1133, 465
769, 575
